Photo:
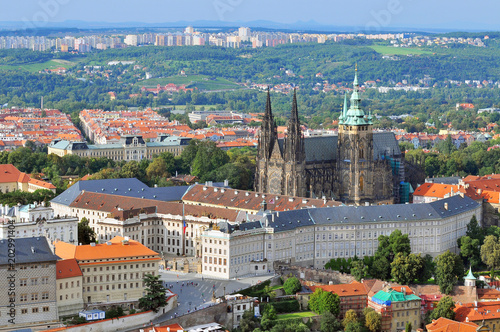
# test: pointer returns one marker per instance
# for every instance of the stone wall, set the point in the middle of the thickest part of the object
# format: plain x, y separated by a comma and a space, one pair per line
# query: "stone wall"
313, 275
216, 313
123, 323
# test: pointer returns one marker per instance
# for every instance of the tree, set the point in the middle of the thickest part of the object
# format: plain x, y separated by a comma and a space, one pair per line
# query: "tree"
390, 246
157, 169
86, 234
155, 294
470, 251
350, 317
131, 170
428, 269
208, 158
358, 270
288, 325
353, 327
248, 322
405, 268
268, 318
329, 302
329, 323
381, 268
475, 231
444, 308
408, 327
373, 321
322, 301
490, 252
292, 285
448, 267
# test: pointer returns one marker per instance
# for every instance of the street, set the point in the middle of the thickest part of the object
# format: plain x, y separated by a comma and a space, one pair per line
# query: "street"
199, 295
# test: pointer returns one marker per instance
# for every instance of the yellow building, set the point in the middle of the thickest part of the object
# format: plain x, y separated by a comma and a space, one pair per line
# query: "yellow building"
130, 147
113, 271
398, 307
69, 287
11, 179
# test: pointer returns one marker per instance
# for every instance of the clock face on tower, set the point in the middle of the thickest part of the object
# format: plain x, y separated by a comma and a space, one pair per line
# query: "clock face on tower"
275, 182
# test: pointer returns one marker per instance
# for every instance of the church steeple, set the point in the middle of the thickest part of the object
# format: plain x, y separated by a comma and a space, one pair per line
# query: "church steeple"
294, 143
343, 114
355, 116
268, 131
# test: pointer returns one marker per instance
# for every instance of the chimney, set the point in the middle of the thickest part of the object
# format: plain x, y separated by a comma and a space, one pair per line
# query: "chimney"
226, 183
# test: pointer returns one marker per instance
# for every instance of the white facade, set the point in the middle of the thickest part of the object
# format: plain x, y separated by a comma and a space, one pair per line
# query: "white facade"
35, 221
253, 251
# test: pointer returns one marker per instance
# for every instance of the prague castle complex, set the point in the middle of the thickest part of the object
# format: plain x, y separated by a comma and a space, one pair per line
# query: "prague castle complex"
356, 167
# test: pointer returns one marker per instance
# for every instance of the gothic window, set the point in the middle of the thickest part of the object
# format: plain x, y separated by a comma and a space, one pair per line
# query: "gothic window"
361, 183
361, 151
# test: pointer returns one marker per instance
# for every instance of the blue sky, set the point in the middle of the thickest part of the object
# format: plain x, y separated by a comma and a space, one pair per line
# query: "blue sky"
457, 14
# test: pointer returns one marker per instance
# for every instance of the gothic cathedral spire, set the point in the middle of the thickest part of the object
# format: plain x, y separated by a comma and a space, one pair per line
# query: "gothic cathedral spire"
294, 144
268, 131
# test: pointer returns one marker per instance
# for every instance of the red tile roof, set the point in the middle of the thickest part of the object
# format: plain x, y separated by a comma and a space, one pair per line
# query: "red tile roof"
352, 289
172, 328
114, 204
116, 249
247, 200
447, 325
67, 268
483, 311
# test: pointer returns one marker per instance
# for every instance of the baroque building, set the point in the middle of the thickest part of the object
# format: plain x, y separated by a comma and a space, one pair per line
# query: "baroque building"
357, 166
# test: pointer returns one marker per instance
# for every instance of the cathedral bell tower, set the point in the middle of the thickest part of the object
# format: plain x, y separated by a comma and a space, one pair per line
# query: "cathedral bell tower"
268, 137
355, 151
294, 182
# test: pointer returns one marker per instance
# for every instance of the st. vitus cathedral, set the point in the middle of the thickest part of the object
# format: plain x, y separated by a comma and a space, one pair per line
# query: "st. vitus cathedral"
356, 166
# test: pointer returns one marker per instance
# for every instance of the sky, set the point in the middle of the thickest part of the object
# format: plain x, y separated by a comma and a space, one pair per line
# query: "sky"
367, 14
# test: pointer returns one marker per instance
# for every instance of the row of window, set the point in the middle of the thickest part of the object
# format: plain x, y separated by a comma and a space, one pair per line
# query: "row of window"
34, 310
131, 266
33, 297
66, 284
72, 296
113, 287
34, 281
222, 261
215, 269
209, 250
118, 277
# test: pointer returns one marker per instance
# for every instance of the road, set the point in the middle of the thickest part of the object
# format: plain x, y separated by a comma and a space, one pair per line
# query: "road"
199, 295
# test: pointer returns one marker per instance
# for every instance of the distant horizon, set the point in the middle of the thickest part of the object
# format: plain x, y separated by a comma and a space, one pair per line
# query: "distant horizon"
301, 26
328, 15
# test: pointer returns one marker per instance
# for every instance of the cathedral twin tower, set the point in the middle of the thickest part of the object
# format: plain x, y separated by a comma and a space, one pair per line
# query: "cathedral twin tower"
346, 167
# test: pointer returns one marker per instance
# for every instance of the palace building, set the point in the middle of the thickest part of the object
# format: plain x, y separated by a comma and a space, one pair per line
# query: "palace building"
357, 166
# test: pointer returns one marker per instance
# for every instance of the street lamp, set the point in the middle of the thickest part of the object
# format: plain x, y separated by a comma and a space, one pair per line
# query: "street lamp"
236, 270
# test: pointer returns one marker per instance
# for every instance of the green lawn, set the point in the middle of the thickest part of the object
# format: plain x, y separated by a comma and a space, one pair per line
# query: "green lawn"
390, 50
35, 67
297, 315
202, 82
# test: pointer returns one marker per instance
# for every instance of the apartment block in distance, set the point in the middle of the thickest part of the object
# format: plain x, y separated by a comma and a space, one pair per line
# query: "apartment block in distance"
113, 271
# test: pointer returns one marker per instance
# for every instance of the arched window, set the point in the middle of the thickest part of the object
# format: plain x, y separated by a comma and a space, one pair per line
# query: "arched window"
361, 183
